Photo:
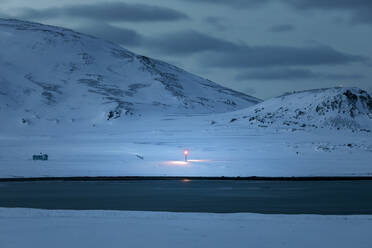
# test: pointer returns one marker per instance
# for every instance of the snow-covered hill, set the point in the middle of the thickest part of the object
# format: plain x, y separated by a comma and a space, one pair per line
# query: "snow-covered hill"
336, 108
54, 74
99, 110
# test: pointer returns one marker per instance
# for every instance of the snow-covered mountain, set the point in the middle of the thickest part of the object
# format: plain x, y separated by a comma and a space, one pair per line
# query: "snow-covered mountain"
99, 110
336, 108
55, 74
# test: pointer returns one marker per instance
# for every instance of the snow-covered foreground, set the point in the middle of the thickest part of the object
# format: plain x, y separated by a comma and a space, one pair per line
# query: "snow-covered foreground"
57, 228
154, 147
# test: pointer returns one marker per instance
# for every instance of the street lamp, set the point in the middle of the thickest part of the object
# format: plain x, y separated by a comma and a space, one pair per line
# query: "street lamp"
186, 153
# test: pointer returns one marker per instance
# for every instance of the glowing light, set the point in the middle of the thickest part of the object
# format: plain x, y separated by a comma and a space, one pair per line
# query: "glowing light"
186, 180
179, 163
186, 153
186, 163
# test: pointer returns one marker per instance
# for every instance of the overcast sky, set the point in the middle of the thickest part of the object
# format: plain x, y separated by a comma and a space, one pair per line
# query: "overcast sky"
261, 47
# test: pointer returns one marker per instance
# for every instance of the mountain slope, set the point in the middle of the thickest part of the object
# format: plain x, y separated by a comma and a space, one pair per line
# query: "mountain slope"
338, 108
56, 74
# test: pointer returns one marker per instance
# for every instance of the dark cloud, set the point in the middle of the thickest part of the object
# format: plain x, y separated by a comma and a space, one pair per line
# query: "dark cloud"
282, 28
293, 74
269, 56
233, 3
118, 35
340, 76
226, 54
219, 53
188, 42
112, 11
360, 9
217, 22
330, 4
278, 74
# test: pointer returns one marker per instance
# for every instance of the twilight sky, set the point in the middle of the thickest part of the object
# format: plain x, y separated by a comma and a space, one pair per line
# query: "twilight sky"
261, 47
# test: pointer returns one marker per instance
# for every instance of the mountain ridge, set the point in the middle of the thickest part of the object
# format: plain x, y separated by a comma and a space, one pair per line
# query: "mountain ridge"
338, 108
52, 73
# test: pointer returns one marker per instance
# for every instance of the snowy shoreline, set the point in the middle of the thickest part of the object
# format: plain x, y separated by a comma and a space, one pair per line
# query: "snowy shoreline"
70, 228
137, 150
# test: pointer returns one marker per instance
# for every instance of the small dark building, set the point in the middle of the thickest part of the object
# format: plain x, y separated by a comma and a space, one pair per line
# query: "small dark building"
43, 157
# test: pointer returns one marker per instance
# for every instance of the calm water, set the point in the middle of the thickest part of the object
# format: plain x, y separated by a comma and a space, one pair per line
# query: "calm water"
220, 196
